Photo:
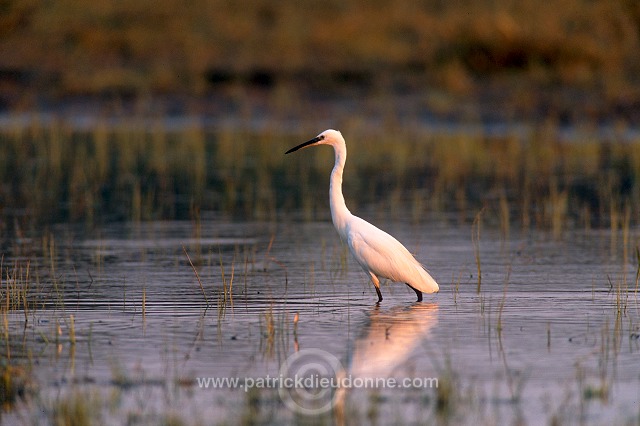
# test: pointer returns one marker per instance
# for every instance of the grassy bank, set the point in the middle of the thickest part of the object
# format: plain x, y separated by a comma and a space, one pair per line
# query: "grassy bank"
135, 49
52, 173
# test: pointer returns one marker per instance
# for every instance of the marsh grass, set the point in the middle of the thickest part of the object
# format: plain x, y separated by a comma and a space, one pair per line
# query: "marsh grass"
503, 301
77, 408
455, 287
195, 271
19, 289
122, 49
637, 280
160, 189
475, 239
15, 282
55, 172
274, 332
449, 393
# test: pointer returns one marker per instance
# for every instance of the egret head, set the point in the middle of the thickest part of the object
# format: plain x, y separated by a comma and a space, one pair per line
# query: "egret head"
328, 137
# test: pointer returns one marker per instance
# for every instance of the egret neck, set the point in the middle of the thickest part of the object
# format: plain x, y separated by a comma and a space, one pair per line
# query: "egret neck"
339, 211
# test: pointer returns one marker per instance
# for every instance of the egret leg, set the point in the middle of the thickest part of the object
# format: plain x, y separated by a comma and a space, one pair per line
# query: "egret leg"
376, 284
418, 293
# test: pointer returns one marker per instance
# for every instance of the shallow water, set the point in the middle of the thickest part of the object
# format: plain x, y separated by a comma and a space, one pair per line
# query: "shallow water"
553, 333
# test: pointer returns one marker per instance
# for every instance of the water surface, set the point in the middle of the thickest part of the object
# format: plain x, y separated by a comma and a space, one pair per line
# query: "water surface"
552, 334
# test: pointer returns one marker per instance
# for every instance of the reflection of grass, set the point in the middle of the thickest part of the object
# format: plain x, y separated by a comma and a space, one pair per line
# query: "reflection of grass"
54, 173
274, 332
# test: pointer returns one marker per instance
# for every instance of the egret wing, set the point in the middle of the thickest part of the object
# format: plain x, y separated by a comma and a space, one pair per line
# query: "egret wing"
379, 252
382, 254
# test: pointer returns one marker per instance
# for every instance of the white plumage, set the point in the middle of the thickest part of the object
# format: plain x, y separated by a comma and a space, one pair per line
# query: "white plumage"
378, 253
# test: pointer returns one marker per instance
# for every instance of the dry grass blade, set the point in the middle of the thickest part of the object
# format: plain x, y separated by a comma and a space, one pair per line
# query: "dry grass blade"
204, 294
475, 238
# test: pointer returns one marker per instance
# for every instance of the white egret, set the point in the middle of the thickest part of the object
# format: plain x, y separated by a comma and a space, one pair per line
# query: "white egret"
378, 253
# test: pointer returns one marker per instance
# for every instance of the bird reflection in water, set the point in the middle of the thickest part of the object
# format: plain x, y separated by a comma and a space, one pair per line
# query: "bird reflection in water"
386, 343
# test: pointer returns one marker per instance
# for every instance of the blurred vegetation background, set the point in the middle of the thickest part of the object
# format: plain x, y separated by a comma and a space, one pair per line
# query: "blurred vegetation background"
527, 109
514, 52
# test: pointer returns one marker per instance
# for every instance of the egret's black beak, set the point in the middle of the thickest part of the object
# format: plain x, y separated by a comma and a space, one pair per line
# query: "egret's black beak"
307, 143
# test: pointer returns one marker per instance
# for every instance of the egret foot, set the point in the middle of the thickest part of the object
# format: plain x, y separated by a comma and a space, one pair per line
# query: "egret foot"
418, 293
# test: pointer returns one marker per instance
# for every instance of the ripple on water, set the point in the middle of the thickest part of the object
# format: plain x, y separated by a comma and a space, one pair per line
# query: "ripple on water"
546, 312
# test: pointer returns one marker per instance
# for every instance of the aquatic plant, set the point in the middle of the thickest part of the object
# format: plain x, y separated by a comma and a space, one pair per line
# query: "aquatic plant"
77, 408
195, 271
55, 172
475, 239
